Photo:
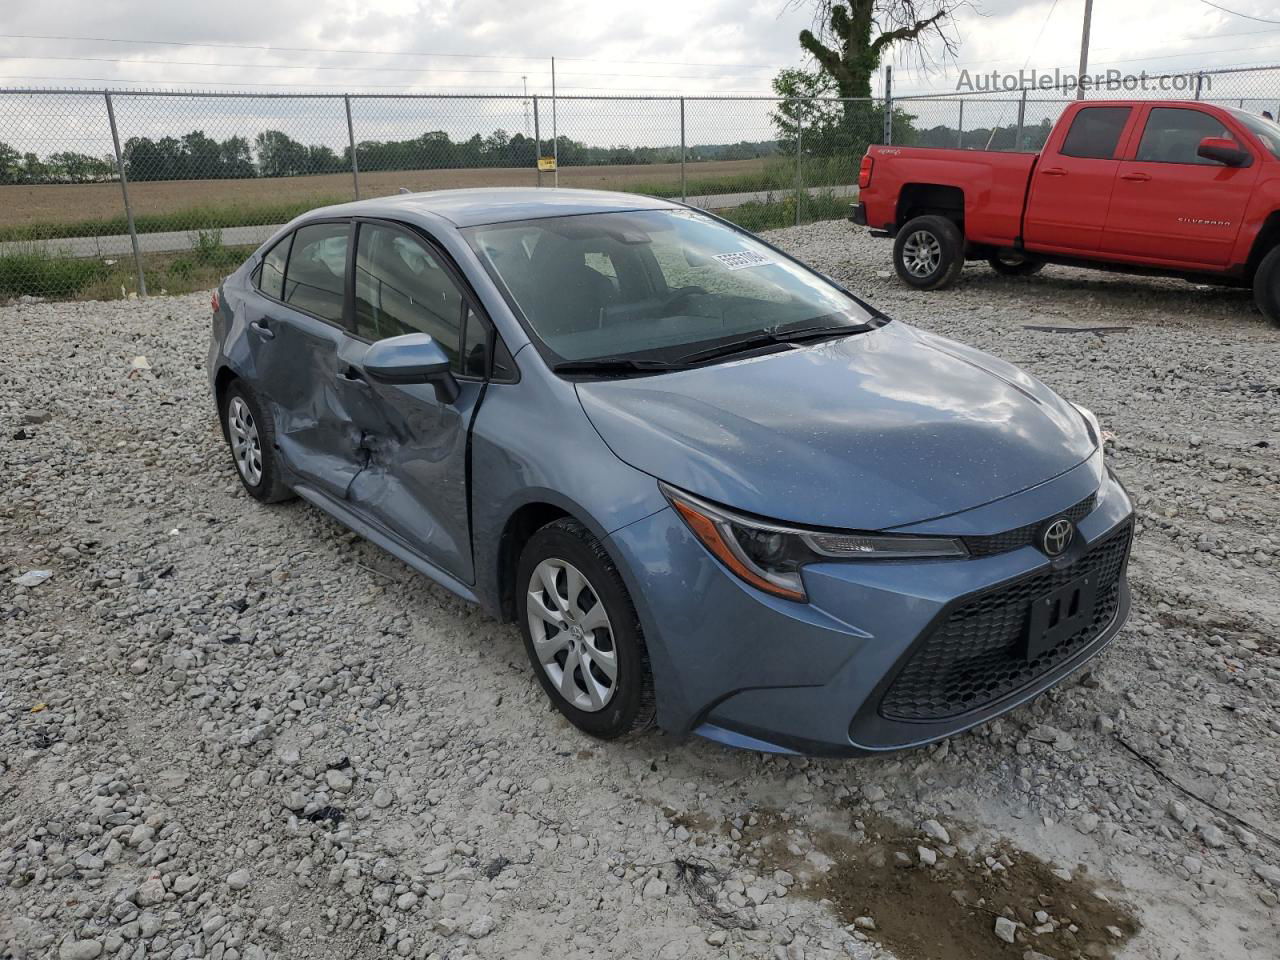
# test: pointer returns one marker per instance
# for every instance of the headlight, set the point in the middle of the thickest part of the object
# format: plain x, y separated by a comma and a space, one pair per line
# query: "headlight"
1091, 421
769, 556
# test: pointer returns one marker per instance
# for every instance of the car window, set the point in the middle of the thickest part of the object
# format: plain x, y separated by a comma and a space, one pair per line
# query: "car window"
1268, 131
1095, 132
314, 280
269, 277
675, 279
401, 288
1173, 134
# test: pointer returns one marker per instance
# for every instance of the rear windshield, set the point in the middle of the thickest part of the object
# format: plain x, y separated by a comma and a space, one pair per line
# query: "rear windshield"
651, 284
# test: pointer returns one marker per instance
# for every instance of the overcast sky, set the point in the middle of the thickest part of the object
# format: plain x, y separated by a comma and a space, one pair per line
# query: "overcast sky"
659, 46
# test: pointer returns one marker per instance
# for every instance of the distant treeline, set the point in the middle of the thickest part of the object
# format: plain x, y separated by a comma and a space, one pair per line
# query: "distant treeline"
273, 153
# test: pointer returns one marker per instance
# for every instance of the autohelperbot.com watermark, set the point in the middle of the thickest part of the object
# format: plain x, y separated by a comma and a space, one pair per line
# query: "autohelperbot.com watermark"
996, 81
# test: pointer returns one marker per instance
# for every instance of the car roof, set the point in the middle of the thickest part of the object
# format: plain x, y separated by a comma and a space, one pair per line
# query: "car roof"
473, 206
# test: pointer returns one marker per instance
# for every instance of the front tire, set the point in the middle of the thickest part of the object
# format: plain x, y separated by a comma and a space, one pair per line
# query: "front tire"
582, 634
1266, 286
251, 435
1015, 265
928, 253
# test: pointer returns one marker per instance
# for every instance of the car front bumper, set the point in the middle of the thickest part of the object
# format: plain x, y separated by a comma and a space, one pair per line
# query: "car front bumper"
851, 671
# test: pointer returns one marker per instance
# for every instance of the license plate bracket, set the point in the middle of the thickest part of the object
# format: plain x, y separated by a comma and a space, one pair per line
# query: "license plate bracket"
1058, 614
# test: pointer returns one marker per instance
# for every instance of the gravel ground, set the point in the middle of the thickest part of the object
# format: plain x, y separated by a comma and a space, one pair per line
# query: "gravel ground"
236, 731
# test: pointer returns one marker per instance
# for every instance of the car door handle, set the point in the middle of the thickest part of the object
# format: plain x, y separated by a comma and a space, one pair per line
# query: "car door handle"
353, 378
1054, 172
1139, 177
261, 329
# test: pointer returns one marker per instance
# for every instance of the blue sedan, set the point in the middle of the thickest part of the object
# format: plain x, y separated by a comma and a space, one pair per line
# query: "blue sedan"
716, 490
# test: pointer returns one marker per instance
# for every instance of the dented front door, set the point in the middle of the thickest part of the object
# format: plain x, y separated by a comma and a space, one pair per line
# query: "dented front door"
413, 482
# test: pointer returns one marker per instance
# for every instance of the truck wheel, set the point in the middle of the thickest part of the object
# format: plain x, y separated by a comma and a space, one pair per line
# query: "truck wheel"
1015, 264
929, 252
1266, 286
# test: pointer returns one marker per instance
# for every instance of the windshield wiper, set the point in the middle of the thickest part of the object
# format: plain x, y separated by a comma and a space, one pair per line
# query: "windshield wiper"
770, 337
616, 365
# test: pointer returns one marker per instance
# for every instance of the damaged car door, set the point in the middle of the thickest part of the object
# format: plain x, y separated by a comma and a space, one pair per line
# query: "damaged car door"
413, 482
296, 332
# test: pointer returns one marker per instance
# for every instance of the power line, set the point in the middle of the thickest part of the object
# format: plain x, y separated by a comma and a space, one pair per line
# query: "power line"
1244, 16
347, 69
380, 53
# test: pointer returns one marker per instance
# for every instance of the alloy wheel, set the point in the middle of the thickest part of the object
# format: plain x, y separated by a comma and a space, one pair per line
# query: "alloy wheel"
572, 635
921, 254
246, 447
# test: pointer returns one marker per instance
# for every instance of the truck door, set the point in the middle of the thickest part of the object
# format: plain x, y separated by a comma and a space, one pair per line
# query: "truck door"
1170, 204
1071, 186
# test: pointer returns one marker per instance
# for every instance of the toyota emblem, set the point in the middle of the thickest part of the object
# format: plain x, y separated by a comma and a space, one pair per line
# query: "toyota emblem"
1057, 537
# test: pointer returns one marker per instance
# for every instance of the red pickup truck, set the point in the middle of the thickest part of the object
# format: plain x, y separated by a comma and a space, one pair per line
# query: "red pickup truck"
1173, 188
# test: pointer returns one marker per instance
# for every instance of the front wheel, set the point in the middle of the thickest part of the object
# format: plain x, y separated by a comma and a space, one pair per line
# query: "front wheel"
1266, 286
1015, 265
582, 633
928, 253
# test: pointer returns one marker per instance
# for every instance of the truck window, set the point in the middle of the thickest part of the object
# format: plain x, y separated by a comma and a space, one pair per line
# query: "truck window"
1173, 135
1095, 132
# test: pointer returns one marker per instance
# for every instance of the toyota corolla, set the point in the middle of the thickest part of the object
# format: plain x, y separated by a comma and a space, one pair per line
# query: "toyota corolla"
715, 489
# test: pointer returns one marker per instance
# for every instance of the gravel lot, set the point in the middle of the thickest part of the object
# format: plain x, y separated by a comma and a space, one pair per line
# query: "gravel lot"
236, 731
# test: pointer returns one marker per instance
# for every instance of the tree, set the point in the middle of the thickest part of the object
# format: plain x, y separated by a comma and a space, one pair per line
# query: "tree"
10, 164
279, 155
799, 110
861, 33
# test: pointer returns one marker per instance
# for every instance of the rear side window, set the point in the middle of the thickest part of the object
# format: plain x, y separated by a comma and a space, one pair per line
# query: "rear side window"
315, 280
401, 287
1095, 132
270, 275
1173, 135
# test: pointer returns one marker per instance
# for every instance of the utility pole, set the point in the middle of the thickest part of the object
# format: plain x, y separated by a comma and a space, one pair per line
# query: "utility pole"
555, 134
1084, 50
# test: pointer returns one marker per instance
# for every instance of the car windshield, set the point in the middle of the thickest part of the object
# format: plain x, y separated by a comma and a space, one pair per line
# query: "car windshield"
1268, 131
654, 285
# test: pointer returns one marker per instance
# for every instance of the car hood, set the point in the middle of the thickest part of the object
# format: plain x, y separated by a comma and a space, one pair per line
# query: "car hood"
875, 430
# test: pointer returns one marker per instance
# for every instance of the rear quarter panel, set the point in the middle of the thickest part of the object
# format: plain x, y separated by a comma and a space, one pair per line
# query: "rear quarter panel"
994, 185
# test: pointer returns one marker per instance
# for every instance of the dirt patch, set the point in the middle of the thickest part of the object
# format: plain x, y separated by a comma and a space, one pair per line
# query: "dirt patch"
26, 204
878, 878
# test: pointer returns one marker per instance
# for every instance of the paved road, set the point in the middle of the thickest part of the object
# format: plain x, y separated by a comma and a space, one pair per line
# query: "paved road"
177, 240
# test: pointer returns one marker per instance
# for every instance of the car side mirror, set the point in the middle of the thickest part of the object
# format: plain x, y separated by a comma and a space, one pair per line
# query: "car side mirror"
412, 358
1224, 151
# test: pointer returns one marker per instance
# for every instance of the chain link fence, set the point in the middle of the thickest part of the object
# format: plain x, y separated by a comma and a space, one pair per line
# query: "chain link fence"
117, 194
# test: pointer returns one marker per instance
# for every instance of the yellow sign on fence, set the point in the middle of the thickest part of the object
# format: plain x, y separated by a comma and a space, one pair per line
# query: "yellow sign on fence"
546, 164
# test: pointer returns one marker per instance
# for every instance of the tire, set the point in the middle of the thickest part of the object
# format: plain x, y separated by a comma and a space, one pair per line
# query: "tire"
928, 252
1266, 286
1015, 265
601, 632
251, 438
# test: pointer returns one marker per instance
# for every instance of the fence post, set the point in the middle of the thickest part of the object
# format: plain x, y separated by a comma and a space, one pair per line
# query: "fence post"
351, 136
537, 141
124, 190
960, 132
799, 158
888, 105
683, 183
1022, 115
1199, 84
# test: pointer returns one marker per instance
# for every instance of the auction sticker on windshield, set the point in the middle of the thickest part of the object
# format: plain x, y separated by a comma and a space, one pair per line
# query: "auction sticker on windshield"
740, 259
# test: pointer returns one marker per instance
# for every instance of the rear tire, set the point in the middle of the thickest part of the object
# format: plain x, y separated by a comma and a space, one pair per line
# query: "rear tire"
1266, 286
251, 435
928, 253
581, 632
1015, 265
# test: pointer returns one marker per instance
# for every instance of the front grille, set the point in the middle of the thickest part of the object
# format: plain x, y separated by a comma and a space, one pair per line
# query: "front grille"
976, 656
1021, 536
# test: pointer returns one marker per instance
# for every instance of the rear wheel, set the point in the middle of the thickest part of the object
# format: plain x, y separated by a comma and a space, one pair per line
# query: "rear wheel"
251, 435
928, 253
1015, 264
1266, 286
582, 634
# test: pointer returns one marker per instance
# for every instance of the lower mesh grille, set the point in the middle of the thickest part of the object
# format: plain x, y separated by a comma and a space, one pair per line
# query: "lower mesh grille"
976, 657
